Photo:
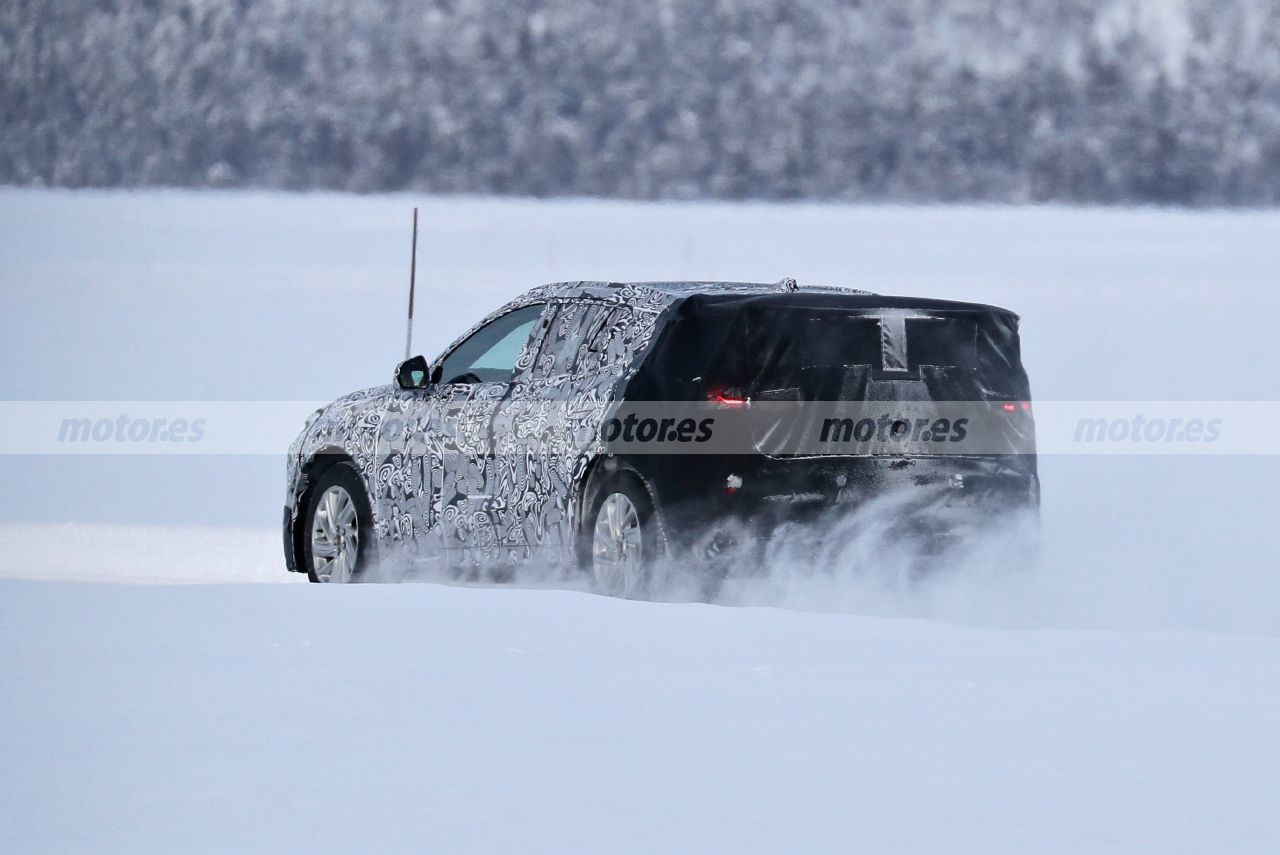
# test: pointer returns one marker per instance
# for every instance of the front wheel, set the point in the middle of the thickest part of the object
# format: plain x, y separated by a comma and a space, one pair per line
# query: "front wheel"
623, 537
339, 527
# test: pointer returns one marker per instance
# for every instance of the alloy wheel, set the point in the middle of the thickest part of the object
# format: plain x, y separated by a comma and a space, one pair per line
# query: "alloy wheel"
617, 551
335, 536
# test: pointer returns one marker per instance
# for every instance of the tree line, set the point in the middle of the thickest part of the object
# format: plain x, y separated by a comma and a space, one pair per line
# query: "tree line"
1081, 101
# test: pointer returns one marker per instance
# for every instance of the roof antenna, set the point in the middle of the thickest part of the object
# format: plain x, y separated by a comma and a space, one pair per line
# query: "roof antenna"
413, 275
789, 285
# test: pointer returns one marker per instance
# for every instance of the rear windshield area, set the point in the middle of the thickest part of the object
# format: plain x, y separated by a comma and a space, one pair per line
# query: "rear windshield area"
768, 350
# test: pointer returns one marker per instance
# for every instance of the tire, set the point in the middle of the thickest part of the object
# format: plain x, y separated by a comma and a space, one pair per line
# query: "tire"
619, 540
326, 548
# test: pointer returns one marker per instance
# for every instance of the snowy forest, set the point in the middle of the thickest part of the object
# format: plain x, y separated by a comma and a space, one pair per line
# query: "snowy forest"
1080, 101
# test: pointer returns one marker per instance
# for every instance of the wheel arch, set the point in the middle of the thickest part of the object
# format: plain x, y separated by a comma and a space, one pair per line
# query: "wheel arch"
600, 471
310, 472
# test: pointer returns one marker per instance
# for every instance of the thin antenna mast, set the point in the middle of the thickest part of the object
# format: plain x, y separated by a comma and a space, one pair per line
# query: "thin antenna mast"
413, 276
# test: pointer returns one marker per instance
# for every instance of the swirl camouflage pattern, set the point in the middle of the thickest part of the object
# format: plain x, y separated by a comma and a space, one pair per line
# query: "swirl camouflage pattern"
449, 470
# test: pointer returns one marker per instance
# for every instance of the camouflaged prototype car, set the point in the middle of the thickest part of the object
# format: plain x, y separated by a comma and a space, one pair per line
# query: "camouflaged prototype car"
496, 453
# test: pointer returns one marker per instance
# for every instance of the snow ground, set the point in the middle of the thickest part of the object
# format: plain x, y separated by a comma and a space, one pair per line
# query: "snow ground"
142, 554
1117, 696
428, 718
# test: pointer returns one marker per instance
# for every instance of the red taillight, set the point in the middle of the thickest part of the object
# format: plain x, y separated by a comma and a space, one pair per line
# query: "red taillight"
727, 397
1009, 407
1014, 406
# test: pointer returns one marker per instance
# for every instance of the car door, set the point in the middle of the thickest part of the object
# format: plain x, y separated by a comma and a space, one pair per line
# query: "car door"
548, 429
436, 494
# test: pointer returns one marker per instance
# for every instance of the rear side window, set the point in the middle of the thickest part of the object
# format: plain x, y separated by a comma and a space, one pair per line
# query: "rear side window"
605, 343
584, 338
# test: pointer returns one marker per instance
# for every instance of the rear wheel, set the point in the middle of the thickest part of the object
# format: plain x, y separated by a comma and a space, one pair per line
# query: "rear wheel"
622, 537
339, 527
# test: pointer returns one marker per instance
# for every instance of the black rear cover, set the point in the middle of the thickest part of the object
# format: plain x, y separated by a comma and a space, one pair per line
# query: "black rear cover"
830, 347
833, 347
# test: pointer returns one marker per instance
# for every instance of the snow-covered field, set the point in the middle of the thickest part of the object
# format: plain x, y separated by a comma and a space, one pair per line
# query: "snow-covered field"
1120, 695
433, 719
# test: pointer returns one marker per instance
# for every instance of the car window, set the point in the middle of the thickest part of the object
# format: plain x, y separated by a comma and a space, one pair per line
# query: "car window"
605, 342
566, 334
492, 353
584, 338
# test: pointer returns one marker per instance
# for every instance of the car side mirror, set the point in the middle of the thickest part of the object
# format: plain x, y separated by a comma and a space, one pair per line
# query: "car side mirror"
413, 373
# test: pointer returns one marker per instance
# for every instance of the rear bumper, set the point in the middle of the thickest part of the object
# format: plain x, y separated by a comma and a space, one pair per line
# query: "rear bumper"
929, 495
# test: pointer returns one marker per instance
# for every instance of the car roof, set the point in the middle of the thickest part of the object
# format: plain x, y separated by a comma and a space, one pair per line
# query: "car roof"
685, 289
660, 295
675, 289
